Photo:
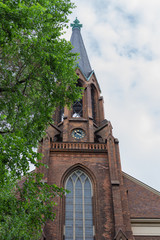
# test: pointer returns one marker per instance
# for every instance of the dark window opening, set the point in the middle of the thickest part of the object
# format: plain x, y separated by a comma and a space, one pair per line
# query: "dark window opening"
93, 103
98, 139
57, 138
61, 114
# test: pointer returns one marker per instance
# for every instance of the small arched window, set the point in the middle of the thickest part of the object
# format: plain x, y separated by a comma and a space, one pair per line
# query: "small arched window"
78, 106
78, 207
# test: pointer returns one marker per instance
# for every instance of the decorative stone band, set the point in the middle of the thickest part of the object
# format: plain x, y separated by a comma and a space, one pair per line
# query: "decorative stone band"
100, 147
146, 227
115, 182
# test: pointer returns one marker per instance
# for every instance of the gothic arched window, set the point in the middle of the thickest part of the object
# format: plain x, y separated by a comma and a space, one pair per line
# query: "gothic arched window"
78, 106
78, 207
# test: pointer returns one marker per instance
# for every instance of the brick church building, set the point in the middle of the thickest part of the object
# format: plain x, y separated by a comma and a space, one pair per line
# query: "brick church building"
104, 203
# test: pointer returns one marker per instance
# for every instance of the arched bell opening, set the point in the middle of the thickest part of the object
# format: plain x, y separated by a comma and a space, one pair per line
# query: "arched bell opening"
61, 114
78, 104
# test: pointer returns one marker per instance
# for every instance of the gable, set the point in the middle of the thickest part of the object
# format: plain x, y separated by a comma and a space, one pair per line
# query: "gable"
143, 201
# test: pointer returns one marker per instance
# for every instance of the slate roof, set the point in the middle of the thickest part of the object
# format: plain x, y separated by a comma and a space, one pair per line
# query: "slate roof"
77, 42
144, 201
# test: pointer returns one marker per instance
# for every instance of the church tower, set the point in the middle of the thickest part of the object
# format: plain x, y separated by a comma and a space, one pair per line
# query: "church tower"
83, 156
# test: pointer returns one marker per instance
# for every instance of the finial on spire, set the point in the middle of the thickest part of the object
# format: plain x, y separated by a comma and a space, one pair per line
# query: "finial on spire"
76, 24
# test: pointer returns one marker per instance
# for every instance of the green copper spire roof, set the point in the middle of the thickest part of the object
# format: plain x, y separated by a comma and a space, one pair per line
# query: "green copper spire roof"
76, 24
78, 47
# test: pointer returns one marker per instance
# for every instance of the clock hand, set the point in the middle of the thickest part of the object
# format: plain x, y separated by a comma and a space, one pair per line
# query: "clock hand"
76, 132
79, 133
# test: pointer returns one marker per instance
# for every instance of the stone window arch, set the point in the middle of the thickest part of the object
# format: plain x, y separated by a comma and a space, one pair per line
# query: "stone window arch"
78, 207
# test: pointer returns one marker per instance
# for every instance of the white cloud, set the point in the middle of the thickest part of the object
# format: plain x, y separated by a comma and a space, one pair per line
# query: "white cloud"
122, 39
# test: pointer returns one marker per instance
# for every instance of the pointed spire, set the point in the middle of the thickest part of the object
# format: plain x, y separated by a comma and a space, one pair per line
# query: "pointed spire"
77, 42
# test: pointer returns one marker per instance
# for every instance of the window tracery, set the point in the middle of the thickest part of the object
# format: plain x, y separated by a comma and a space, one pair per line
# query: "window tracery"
78, 209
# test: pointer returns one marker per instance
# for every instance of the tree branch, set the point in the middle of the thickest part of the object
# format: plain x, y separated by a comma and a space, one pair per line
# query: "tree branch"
20, 72
1, 132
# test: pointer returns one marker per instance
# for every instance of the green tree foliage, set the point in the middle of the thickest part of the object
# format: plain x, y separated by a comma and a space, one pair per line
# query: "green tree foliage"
36, 75
24, 210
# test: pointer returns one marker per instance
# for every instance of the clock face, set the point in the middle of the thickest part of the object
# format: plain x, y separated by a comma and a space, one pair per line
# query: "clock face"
78, 133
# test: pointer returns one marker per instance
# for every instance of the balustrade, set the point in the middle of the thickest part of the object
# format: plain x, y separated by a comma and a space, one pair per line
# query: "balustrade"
77, 146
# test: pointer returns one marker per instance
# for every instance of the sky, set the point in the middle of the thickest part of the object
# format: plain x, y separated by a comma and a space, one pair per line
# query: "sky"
122, 39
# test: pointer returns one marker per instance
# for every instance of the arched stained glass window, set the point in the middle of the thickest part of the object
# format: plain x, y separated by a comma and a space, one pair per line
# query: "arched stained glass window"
78, 209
